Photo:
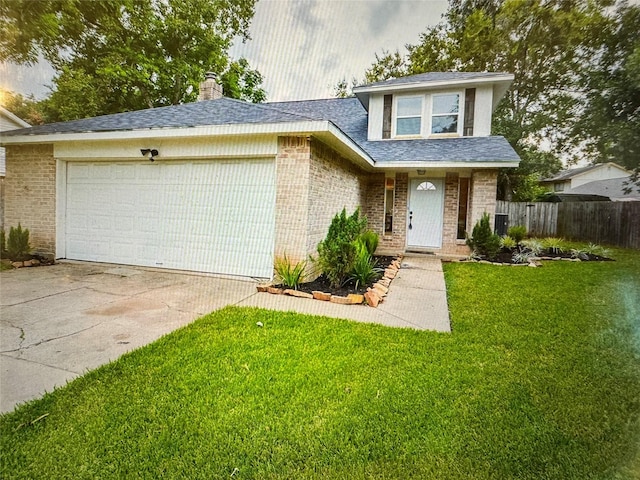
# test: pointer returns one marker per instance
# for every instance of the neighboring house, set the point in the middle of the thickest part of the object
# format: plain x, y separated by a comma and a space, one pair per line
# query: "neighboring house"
8, 121
574, 177
225, 186
614, 189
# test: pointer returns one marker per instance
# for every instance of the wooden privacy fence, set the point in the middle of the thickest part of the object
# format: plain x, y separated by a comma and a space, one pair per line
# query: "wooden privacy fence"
612, 223
540, 218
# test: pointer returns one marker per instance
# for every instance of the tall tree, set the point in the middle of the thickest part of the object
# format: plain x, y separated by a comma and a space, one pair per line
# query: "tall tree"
27, 108
545, 44
608, 129
118, 55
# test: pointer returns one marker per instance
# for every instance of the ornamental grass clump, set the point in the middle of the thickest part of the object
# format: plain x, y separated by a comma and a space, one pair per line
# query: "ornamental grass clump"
337, 252
365, 269
290, 275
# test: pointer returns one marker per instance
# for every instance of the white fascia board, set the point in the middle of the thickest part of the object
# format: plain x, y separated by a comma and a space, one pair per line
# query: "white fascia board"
432, 85
14, 118
440, 165
244, 129
283, 128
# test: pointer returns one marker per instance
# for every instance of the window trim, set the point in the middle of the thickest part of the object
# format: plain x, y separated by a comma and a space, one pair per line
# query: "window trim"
395, 116
460, 114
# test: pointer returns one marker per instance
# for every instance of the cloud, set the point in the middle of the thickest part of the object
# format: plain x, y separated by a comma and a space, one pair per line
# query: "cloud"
301, 47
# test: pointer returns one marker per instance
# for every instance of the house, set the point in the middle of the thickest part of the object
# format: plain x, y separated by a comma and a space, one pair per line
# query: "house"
8, 121
225, 186
613, 189
574, 177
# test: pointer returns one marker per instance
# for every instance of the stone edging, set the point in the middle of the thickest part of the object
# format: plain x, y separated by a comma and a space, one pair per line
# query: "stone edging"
373, 296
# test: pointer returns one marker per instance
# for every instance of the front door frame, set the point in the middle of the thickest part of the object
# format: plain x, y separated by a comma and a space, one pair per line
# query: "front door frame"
439, 182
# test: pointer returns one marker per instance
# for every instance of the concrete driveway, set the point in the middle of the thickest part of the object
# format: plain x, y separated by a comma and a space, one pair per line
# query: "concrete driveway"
59, 321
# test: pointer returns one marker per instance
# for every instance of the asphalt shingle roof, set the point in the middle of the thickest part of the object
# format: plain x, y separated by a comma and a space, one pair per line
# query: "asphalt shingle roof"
435, 77
347, 114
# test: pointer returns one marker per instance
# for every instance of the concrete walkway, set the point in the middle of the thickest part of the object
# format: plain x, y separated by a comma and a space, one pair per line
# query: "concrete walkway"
417, 299
57, 322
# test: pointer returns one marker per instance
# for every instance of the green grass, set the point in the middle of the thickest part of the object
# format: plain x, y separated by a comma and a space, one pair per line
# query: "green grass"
540, 379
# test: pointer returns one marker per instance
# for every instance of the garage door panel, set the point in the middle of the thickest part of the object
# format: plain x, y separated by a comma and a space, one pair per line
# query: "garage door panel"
205, 216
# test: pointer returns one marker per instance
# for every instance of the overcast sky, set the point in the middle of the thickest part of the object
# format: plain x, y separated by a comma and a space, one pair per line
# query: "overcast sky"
302, 48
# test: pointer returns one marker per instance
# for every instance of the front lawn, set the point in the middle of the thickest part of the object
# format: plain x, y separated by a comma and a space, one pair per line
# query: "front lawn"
540, 379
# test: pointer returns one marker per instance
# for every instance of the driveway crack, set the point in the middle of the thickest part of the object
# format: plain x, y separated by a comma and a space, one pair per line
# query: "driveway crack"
47, 340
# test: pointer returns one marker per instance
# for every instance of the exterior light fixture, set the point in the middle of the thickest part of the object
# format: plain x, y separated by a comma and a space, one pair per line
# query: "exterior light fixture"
421, 172
150, 153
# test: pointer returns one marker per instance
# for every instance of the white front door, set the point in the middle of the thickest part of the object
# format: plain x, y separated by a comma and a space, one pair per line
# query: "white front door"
424, 223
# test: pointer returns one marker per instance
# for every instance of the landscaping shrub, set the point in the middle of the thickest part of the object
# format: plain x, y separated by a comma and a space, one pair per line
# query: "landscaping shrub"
517, 232
18, 247
337, 252
554, 245
483, 240
365, 268
508, 242
290, 275
3, 243
370, 240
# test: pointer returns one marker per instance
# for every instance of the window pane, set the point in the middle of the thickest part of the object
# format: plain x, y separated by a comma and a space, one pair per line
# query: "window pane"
445, 124
409, 106
445, 103
408, 126
426, 186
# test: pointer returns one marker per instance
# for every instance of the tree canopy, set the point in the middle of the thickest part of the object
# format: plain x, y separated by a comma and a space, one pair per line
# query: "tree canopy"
117, 55
575, 64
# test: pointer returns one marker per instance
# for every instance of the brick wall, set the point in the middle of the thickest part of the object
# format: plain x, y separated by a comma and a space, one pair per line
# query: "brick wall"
314, 183
484, 184
30, 194
450, 220
334, 183
395, 242
292, 197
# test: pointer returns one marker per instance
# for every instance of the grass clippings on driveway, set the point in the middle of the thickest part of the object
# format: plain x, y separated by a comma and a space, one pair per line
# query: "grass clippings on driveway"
539, 379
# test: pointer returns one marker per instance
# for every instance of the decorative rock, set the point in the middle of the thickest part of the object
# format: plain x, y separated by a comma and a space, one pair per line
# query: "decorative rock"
372, 298
355, 298
274, 290
486, 262
17, 264
384, 281
296, 293
35, 262
389, 273
340, 300
321, 295
27, 263
532, 264
264, 286
381, 287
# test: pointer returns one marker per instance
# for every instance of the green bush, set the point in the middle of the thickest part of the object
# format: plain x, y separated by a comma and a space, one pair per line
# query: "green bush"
18, 247
370, 240
365, 269
483, 240
3, 243
517, 232
337, 252
554, 245
508, 242
290, 275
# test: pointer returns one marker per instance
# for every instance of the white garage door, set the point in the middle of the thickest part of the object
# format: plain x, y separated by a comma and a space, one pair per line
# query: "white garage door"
202, 216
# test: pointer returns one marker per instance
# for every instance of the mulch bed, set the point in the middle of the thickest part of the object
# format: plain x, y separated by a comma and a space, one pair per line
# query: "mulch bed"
506, 256
322, 283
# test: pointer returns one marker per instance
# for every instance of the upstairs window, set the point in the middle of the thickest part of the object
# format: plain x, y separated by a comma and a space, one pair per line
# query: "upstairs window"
445, 113
408, 116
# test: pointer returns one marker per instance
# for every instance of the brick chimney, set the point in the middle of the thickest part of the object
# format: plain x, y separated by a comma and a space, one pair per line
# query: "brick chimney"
209, 89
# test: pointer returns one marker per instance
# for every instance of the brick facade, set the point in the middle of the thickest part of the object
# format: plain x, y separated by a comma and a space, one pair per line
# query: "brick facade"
30, 194
314, 183
482, 198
